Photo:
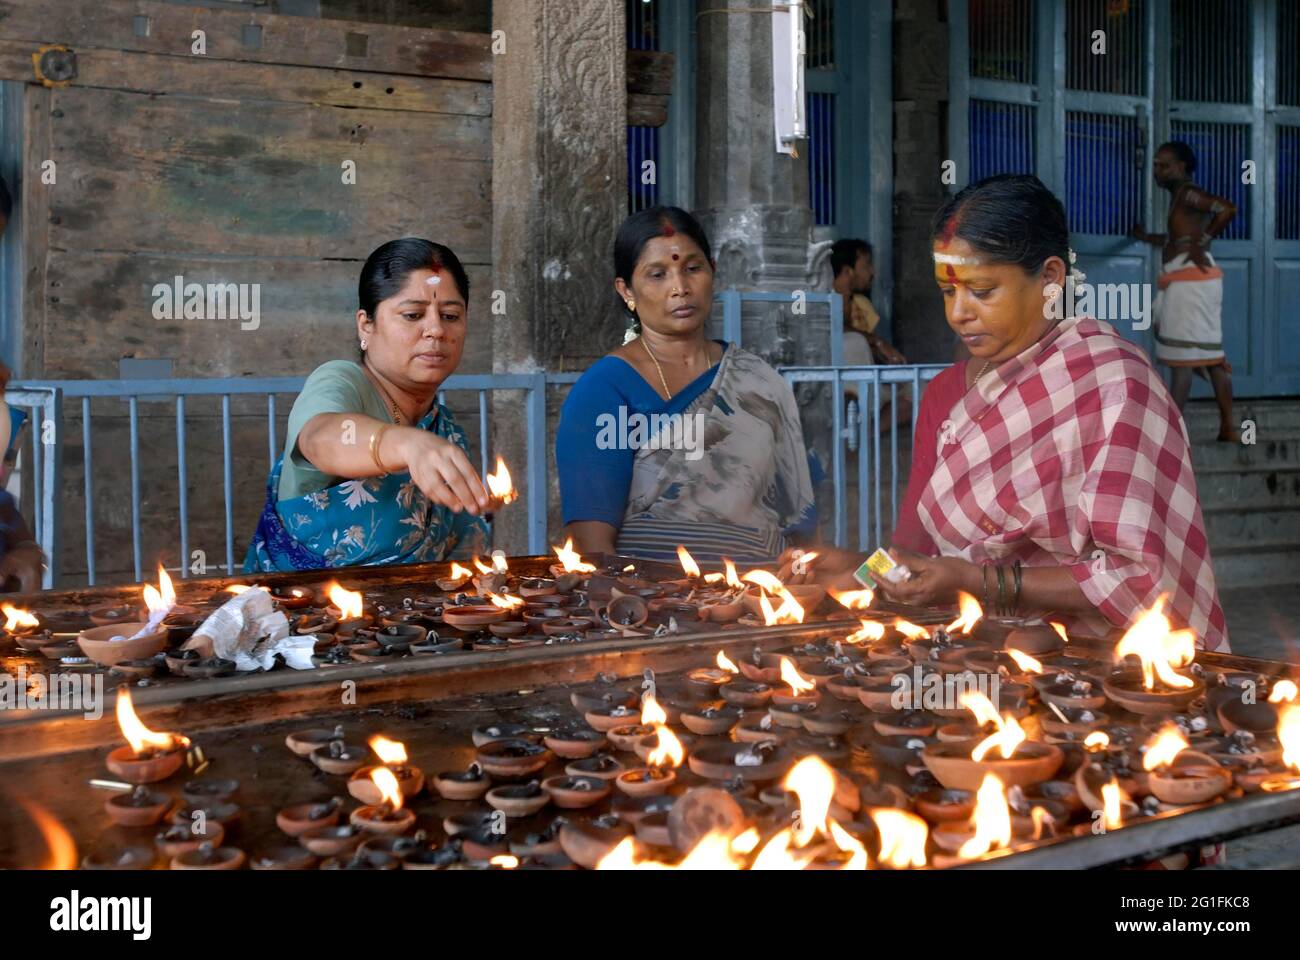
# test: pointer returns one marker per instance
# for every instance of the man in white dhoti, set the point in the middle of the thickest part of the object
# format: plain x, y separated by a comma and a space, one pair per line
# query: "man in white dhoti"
1188, 307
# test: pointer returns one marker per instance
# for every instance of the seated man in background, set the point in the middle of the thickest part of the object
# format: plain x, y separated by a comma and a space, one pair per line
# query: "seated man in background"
21, 559
853, 266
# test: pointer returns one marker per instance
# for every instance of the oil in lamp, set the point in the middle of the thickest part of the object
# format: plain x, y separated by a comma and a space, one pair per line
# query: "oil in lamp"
392, 755
387, 816
457, 578
659, 773
292, 598
571, 562
467, 784
627, 736
802, 691
148, 756
1019, 762
1178, 776
570, 792
299, 818
1159, 687
140, 807
518, 799
348, 607
209, 856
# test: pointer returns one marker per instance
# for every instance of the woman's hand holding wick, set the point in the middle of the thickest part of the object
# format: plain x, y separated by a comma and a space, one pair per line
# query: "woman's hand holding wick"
934, 580
440, 469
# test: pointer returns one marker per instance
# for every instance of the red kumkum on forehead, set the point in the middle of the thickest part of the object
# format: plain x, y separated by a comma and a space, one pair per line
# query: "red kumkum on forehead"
952, 274
669, 231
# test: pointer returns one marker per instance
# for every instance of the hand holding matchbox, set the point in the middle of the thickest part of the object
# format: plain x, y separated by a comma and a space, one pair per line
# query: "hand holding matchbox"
881, 566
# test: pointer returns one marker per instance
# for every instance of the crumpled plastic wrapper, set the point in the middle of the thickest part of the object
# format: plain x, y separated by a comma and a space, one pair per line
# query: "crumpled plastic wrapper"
250, 631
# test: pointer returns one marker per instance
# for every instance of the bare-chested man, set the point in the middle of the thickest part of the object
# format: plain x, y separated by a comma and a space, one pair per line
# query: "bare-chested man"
1188, 307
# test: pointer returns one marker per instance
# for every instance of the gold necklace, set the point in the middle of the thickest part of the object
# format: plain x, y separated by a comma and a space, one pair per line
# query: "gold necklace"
397, 413
983, 370
662, 379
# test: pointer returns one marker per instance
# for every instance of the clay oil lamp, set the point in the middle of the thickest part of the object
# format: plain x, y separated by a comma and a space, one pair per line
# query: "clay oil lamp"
571, 561
138, 669
800, 691
333, 840
1017, 761
1282, 774
705, 681
299, 818
988, 829
1036, 638
608, 718
314, 622
284, 858
1244, 747
177, 838
208, 790
518, 799
457, 825
503, 731
1079, 721
348, 607
209, 857
1158, 687
1068, 693
291, 598
753, 762
1180, 777
181, 626
361, 859
304, 743
62, 649
1256, 717
943, 806
339, 758
761, 667
207, 668
573, 793
905, 723
797, 599
508, 628
19, 623
711, 719
659, 773
140, 807
398, 638
566, 626
112, 615
433, 645
755, 729
457, 579
530, 587
125, 858
467, 784
602, 766
221, 812
147, 756
512, 759
1062, 792
627, 736
131, 640
747, 694
586, 843
827, 721
574, 743
389, 816
942, 649
881, 691
392, 755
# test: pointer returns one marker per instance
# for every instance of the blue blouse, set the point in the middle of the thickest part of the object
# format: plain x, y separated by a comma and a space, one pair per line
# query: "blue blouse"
595, 476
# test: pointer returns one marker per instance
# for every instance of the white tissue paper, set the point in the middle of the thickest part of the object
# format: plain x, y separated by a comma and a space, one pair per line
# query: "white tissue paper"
250, 631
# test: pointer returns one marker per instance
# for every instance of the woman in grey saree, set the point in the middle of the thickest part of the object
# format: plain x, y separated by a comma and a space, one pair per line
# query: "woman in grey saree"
674, 438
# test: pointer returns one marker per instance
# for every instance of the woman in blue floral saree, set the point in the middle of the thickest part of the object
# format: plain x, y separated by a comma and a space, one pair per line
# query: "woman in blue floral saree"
375, 470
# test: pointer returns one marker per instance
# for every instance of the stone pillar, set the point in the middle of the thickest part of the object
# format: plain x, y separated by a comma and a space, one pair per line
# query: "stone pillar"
559, 192
920, 145
752, 200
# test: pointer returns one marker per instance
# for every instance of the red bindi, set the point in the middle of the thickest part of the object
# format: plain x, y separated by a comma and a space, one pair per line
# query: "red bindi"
669, 231
952, 274
949, 231
675, 257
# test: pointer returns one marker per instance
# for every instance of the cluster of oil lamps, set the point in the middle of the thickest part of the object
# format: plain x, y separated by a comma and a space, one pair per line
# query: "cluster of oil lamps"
826, 755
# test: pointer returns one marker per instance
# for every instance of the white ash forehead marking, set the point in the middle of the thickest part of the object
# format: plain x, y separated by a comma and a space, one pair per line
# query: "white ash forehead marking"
434, 280
955, 260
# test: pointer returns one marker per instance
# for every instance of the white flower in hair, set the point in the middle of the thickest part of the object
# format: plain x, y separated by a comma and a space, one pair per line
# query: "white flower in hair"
630, 335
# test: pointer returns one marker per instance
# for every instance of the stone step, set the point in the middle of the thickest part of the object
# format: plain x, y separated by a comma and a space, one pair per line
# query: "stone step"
1270, 416
1230, 526
1248, 486
1280, 449
1262, 563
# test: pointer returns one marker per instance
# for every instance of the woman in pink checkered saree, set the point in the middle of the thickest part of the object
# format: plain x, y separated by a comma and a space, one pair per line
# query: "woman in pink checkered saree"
1056, 445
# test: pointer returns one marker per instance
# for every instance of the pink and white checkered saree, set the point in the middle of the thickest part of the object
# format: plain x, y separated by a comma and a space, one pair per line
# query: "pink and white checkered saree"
1073, 453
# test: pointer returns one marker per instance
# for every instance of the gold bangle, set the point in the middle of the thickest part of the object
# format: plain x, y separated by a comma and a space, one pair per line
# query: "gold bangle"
376, 439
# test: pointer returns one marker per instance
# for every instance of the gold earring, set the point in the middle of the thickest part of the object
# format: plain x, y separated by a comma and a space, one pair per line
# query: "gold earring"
363, 344
631, 305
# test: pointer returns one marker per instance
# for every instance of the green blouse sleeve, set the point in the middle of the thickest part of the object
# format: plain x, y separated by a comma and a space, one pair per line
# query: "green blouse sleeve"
338, 386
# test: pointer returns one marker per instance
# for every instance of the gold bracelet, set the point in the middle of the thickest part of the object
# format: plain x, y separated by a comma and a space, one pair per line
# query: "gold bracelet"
376, 438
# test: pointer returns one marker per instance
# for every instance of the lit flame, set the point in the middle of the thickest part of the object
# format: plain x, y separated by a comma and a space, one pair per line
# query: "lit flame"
1284, 691
971, 612
499, 562
162, 598
459, 572
571, 560
482, 567
724, 663
668, 751
63, 850
18, 617
348, 602
505, 601
790, 610
729, 568
1168, 744
386, 781
853, 599
848, 844
745, 842
814, 783
1159, 648
505, 861
992, 819
902, 837
777, 855
1024, 661
389, 752
870, 630
911, 630
713, 577
500, 485
1288, 732
1041, 817
1112, 811
652, 714
713, 852
762, 578
236, 588
1060, 628
136, 733
790, 674
1097, 740
1009, 733
689, 566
